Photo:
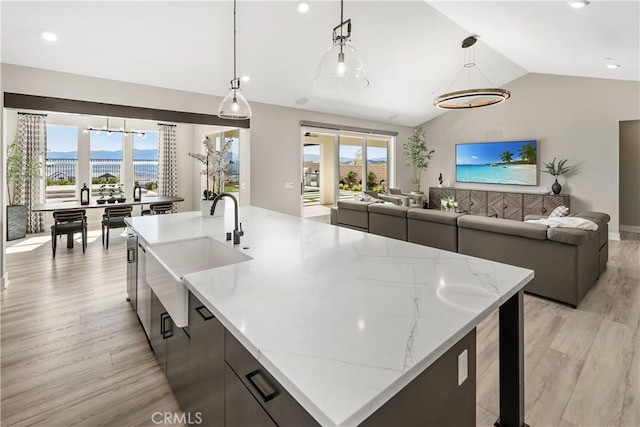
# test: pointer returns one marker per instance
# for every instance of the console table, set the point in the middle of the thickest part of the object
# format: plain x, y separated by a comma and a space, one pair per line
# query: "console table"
501, 204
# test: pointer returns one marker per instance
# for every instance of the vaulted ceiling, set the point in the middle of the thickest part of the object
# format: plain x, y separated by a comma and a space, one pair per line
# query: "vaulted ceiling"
411, 48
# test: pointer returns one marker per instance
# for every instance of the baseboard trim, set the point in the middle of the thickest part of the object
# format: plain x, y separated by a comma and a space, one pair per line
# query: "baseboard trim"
614, 236
630, 228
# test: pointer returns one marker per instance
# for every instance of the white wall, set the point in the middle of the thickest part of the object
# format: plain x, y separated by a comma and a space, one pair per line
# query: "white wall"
630, 176
571, 117
275, 147
276, 153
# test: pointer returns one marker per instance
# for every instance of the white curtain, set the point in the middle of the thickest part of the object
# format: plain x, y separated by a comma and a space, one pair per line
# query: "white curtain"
167, 162
32, 141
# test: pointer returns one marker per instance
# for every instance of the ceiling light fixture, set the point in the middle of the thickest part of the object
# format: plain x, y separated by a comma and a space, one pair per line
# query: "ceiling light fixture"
50, 37
303, 7
471, 98
245, 79
578, 4
111, 131
613, 66
234, 106
341, 68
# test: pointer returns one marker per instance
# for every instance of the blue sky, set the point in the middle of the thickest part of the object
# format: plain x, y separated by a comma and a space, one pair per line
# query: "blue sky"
483, 153
65, 139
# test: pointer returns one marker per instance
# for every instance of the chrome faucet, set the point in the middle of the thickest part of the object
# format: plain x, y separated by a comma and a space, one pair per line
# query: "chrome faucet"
238, 230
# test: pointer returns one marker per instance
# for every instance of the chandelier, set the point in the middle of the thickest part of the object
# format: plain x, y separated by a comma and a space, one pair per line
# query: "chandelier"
471, 98
110, 131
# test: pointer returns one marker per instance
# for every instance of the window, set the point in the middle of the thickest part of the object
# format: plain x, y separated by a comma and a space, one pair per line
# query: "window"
61, 168
105, 158
377, 162
145, 162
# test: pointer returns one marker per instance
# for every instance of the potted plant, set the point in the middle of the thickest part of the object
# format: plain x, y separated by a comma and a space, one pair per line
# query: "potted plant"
418, 155
556, 171
215, 165
18, 166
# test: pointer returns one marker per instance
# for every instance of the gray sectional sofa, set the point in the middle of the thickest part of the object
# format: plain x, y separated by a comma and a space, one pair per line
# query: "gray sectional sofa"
566, 262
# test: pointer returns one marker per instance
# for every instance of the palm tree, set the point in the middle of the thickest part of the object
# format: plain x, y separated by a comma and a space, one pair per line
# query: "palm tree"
528, 153
506, 157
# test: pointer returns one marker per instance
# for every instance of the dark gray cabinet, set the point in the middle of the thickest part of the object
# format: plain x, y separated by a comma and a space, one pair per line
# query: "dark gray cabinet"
241, 408
260, 386
159, 330
171, 345
178, 354
206, 365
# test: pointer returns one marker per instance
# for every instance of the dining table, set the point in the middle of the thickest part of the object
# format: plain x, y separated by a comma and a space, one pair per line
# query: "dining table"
93, 204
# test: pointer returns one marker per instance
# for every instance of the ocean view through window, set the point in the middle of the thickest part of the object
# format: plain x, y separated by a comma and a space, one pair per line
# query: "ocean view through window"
145, 162
61, 168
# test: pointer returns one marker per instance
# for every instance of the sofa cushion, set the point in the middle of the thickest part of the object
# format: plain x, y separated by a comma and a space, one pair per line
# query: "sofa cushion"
504, 226
570, 236
600, 216
354, 205
449, 218
560, 211
391, 210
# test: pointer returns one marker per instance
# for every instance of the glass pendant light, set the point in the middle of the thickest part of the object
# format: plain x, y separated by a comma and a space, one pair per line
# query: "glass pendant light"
234, 106
341, 69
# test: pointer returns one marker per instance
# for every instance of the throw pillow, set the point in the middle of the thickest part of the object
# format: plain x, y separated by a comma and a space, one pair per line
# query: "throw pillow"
559, 211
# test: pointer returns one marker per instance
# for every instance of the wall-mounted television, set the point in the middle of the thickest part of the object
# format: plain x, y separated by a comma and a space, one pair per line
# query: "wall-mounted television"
508, 162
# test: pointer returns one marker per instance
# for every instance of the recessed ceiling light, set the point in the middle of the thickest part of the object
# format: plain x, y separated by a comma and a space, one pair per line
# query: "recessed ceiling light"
303, 7
50, 37
613, 66
245, 78
392, 117
301, 101
578, 4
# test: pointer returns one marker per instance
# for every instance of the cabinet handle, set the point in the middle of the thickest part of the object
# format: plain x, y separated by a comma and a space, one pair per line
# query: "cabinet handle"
166, 333
262, 385
544, 210
131, 255
505, 207
471, 204
205, 317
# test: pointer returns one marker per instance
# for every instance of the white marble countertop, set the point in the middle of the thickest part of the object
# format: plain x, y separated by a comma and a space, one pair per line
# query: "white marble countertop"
342, 319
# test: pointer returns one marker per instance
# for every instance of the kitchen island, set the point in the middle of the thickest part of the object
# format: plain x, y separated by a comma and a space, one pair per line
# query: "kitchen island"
344, 320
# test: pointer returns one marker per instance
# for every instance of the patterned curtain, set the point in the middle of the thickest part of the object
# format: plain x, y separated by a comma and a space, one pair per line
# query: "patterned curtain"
32, 141
167, 162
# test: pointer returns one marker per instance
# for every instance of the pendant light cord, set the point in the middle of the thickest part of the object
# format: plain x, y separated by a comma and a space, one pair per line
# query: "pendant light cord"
341, 24
235, 75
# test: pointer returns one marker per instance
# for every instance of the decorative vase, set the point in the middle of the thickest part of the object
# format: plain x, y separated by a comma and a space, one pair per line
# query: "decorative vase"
16, 222
205, 207
556, 188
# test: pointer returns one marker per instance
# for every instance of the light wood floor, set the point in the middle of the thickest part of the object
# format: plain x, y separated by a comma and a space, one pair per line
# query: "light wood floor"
73, 353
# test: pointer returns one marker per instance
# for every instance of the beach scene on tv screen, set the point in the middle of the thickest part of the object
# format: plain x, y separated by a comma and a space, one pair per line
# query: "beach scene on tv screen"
512, 162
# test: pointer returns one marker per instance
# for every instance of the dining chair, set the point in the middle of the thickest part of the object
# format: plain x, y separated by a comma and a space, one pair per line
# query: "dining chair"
158, 208
69, 222
113, 217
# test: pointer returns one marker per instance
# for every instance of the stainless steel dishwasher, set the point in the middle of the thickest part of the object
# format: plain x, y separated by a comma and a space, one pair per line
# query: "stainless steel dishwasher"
132, 270
144, 291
